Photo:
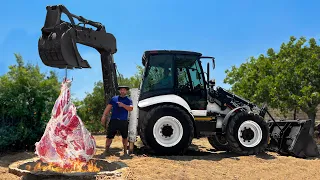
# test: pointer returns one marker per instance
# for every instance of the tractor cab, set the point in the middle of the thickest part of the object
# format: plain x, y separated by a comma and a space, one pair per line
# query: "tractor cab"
175, 72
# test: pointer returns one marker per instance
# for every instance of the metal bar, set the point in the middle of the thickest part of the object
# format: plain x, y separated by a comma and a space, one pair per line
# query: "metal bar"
86, 21
108, 75
273, 120
206, 57
66, 73
282, 138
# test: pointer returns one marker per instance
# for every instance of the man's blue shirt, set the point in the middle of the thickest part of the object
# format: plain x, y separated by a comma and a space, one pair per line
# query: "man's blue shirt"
120, 112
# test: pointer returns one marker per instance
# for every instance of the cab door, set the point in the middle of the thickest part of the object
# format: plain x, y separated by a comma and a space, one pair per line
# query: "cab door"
190, 84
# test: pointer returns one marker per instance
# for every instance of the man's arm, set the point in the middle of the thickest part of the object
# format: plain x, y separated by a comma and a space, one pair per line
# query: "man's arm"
127, 107
107, 110
130, 106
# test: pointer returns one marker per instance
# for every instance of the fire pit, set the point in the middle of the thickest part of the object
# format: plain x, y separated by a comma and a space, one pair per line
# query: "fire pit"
34, 169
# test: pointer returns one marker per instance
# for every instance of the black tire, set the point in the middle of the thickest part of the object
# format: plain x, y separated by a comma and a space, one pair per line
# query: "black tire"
232, 134
146, 133
219, 142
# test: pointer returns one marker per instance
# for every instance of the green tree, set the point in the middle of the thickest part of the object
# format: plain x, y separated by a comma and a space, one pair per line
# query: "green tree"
133, 81
92, 107
286, 80
27, 97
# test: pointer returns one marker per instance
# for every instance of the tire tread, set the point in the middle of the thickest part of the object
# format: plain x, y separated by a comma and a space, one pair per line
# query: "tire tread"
160, 108
233, 142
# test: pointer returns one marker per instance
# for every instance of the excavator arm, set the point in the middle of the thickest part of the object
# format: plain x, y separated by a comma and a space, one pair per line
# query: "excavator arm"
57, 45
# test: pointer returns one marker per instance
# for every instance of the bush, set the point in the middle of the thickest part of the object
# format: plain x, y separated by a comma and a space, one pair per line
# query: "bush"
27, 97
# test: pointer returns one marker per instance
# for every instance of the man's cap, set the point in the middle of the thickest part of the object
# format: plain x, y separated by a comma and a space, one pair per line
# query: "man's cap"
126, 87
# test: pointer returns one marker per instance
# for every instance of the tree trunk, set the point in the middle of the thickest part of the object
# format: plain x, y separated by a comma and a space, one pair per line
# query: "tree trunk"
295, 114
312, 116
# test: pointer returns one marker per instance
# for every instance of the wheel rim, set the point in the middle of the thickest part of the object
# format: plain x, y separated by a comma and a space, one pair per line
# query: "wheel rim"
168, 131
222, 140
249, 134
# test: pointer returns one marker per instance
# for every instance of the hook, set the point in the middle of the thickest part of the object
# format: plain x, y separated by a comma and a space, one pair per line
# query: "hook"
66, 74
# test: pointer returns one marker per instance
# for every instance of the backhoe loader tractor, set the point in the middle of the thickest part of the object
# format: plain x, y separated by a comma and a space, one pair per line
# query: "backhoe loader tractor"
176, 101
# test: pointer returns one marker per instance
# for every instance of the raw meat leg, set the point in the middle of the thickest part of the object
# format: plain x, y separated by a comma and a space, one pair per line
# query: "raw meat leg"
65, 138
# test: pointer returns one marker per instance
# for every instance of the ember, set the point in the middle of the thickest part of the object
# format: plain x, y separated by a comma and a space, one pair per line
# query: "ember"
93, 169
75, 166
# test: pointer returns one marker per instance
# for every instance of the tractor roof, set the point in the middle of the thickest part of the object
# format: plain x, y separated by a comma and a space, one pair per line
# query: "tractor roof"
147, 53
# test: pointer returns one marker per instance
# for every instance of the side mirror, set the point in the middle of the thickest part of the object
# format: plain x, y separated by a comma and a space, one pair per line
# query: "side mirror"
212, 58
208, 72
208, 69
213, 63
212, 82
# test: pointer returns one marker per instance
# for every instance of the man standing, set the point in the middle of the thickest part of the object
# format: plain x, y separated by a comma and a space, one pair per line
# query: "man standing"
120, 106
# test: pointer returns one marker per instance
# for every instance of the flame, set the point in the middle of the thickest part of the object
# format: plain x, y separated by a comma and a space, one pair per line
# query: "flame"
74, 166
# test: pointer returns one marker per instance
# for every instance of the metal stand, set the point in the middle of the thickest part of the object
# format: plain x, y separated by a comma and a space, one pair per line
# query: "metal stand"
66, 74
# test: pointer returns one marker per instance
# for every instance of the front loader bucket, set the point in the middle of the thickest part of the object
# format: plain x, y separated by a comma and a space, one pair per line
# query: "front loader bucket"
57, 46
291, 137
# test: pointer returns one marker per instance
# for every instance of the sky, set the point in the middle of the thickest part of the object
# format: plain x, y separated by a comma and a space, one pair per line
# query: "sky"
231, 31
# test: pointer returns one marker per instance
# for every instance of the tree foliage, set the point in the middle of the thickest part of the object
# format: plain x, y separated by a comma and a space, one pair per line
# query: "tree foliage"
27, 97
286, 80
133, 81
92, 107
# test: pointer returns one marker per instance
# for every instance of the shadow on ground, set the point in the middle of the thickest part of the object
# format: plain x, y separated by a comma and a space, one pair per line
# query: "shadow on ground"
197, 152
112, 152
9, 157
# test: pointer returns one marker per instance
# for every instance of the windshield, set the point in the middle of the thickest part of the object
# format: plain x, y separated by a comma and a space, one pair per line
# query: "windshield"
189, 72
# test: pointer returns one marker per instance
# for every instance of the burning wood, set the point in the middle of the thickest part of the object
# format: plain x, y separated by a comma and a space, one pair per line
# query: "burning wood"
66, 144
75, 166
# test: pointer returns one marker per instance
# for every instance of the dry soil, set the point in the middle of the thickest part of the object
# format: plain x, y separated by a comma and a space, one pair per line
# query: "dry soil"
200, 162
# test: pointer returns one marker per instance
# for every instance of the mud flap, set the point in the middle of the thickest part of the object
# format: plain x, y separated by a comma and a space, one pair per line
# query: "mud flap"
291, 137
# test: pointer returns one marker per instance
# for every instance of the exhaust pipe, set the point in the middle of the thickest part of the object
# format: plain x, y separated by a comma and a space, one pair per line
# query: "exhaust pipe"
292, 138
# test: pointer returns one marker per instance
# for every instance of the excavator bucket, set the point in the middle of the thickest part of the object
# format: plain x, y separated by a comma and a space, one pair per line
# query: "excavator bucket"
292, 138
60, 51
57, 46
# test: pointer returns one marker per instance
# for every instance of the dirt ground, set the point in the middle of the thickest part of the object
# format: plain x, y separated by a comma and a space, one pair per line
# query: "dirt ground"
200, 162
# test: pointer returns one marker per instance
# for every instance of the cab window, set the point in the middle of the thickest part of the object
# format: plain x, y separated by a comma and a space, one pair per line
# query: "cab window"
158, 73
189, 72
